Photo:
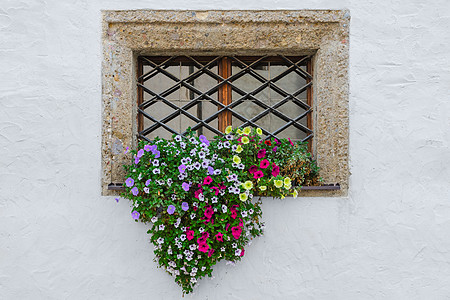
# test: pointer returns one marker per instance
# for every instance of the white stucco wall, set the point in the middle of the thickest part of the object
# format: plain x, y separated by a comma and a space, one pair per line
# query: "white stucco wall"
59, 239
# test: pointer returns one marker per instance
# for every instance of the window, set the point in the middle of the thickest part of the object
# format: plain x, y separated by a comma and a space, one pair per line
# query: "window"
245, 53
208, 93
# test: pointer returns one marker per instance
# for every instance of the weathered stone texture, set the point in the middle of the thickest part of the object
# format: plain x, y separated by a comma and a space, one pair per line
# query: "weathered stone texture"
323, 33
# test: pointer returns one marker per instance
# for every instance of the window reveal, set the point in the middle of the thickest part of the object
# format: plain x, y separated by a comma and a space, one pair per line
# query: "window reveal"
208, 93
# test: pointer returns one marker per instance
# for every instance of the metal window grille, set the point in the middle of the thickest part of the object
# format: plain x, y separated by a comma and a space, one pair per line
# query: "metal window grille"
208, 93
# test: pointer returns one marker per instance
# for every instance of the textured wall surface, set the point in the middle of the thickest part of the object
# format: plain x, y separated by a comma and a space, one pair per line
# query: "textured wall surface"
389, 239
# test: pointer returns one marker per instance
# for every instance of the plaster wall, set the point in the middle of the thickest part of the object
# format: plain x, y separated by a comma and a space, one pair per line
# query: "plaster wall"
59, 239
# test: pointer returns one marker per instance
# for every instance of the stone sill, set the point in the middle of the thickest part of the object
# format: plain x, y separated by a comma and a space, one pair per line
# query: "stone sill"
325, 187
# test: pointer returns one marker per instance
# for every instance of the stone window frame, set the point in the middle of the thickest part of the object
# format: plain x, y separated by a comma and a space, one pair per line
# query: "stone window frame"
321, 33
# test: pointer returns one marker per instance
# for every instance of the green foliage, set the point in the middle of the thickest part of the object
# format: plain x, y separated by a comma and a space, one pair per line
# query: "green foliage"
200, 197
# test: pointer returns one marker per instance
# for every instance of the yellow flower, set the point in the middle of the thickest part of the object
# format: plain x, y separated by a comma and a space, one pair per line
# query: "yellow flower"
287, 181
295, 194
247, 130
236, 159
287, 186
239, 131
228, 129
239, 149
245, 140
278, 183
243, 196
263, 188
282, 197
259, 131
248, 185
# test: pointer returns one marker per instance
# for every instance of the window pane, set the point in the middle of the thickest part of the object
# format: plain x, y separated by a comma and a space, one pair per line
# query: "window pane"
268, 92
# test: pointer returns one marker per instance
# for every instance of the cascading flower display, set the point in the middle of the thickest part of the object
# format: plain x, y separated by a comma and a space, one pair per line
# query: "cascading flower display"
200, 196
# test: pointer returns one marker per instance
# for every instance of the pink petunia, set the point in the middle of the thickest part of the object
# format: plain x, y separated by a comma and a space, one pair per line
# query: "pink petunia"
264, 164
207, 180
210, 252
203, 248
236, 232
292, 144
209, 212
242, 252
219, 237
216, 190
261, 153
275, 170
233, 213
253, 169
228, 226
258, 174
189, 234
202, 240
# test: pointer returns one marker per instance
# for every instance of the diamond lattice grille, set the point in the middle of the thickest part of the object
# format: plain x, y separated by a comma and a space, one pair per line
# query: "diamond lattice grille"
211, 92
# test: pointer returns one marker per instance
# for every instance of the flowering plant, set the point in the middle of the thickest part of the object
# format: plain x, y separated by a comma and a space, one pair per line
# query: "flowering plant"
200, 196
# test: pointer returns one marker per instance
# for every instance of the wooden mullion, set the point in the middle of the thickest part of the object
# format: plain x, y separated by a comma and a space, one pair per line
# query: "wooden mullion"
225, 118
309, 101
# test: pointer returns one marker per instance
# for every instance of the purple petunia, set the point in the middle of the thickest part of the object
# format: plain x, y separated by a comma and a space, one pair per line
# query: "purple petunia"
203, 139
135, 215
126, 150
157, 154
148, 182
210, 170
117, 200
135, 191
184, 206
171, 209
185, 186
136, 160
129, 182
140, 153
182, 168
